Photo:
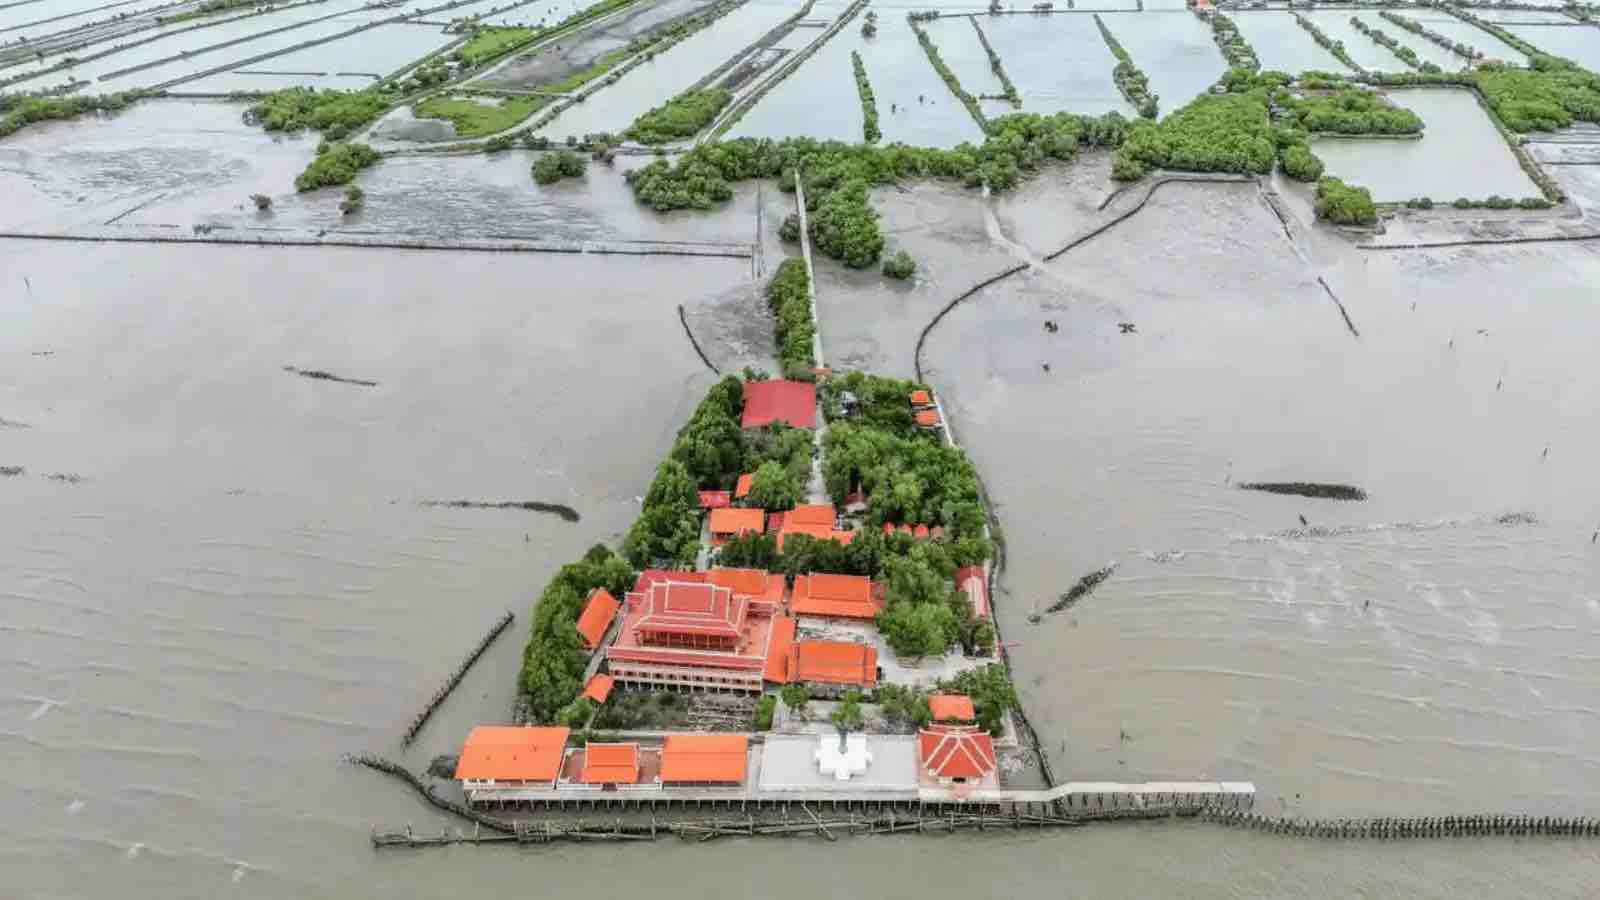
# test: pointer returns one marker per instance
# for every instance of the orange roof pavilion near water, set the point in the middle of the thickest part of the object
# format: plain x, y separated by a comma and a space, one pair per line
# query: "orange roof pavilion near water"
834, 662
836, 596
704, 758
951, 708
611, 763
512, 753
596, 617
956, 752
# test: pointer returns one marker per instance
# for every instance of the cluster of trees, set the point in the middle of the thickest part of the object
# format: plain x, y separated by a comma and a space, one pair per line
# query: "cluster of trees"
1494, 201
869, 25
992, 693
1550, 94
18, 112
906, 707
1008, 90
554, 660
1344, 204
900, 266
869, 103
335, 163
1325, 42
426, 75
1130, 79
1228, 132
354, 196
765, 708
1235, 49
708, 453
908, 479
1349, 110
925, 614
681, 117
788, 296
1296, 158
1406, 54
881, 401
334, 113
551, 167
1459, 48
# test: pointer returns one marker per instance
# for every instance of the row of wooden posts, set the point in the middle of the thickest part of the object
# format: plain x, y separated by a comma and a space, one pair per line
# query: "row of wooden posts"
1486, 825
443, 692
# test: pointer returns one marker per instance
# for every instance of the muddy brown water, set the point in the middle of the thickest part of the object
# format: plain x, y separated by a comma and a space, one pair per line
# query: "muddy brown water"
244, 586
576, 52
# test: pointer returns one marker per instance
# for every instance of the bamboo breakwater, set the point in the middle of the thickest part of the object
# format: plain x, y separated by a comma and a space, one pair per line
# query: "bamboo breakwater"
440, 695
1410, 827
547, 831
395, 770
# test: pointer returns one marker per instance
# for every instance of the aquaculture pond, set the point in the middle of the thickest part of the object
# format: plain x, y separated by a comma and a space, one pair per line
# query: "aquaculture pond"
580, 50
1470, 34
353, 62
1581, 44
961, 50
817, 100
914, 105
1058, 63
613, 108
1174, 49
1460, 154
35, 19
1367, 53
1426, 50
539, 12
1280, 43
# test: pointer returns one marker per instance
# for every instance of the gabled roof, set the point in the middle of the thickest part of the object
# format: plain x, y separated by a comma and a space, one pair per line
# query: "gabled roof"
743, 486
721, 758
651, 576
791, 402
970, 580
737, 521
838, 596
834, 662
956, 751
598, 611
715, 499
599, 688
610, 764
927, 418
780, 647
676, 607
512, 753
811, 514
757, 584
951, 708
921, 398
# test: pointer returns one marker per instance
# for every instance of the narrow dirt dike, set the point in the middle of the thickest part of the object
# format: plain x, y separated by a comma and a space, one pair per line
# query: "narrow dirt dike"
320, 375
1314, 489
1082, 589
556, 509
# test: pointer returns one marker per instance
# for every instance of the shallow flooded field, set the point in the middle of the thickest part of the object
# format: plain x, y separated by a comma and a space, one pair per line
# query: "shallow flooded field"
1367, 53
1058, 63
1426, 50
1175, 50
1280, 43
1581, 44
961, 50
351, 64
901, 74
579, 51
1460, 154
817, 100
653, 83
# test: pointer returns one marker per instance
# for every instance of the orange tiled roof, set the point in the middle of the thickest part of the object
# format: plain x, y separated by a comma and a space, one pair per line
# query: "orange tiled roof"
743, 486
779, 645
839, 596
834, 662
921, 398
599, 688
715, 499
758, 584
951, 707
927, 418
970, 579
719, 758
681, 608
737, 521
811, 514
596, 617
651, 576
791, 402
512, 753
956, 751
610, 764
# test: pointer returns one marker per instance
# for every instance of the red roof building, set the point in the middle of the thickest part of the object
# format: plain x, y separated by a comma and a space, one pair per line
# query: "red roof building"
759, 585
598, 611
834, 596
927, 418
779, 649
952, 708
840, 663
692, 634
955, 754
790, 402
511, 755
715, 499
599, 688
920, 399
651, 576
732, 522
610, 764
970, 581
713, 759
742, 487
